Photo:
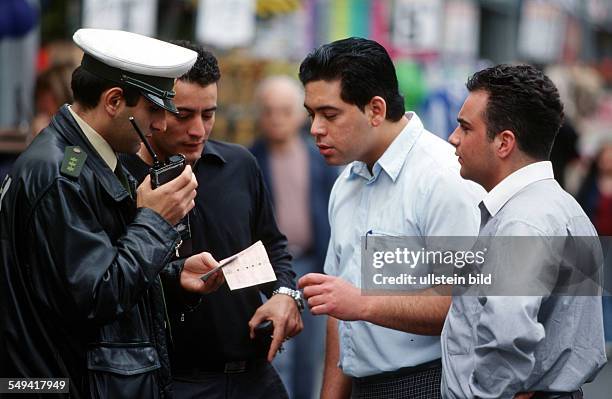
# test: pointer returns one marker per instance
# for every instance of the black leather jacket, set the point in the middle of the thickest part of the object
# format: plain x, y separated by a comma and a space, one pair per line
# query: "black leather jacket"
80, 291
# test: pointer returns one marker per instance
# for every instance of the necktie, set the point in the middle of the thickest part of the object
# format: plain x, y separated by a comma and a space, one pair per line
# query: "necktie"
484, 215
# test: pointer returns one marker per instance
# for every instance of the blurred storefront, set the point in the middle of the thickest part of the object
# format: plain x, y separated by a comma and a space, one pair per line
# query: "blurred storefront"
436, 44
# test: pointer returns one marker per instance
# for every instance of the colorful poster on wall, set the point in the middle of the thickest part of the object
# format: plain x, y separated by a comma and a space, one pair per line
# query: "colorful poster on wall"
282, 36
541, 31
599, 11
226, 23
461, 28
416, 25
138, 16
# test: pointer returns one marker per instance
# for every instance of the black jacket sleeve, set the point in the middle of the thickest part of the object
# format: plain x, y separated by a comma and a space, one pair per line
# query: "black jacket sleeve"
78, 270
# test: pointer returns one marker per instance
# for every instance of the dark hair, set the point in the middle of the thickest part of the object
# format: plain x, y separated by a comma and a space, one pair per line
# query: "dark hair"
524, 100
364, 68
87, 88
205, 70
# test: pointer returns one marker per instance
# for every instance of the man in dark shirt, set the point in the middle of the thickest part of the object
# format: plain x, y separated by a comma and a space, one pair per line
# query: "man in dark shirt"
214, 353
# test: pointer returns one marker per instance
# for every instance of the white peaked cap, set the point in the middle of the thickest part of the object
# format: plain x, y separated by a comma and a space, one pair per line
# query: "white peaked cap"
147, 64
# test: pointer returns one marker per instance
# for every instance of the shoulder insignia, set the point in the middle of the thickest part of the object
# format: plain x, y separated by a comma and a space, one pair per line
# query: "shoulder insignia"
74, 159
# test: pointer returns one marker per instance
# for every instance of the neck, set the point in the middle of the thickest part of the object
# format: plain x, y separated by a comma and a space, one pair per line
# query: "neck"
92, 117
508, 167
385, 134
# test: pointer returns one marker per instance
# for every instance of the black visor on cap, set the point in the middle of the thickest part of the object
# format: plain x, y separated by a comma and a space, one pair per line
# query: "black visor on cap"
163, 102
158, 90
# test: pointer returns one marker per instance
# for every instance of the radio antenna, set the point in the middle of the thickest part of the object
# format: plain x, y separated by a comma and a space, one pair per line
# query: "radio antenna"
156, 162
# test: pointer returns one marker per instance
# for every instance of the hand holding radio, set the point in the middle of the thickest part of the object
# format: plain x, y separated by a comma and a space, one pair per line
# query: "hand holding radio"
169, 189
172, 200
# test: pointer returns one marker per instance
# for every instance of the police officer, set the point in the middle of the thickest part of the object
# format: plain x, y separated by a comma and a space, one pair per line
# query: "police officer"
81, 246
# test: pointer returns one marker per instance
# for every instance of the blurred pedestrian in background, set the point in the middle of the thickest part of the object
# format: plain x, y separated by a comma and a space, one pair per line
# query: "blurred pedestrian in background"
300, 184
52, 90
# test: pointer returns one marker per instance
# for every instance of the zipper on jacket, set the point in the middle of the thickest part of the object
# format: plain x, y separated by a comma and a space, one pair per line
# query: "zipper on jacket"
176, 248
167, 318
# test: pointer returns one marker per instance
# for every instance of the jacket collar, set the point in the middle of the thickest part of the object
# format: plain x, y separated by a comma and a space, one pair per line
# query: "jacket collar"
69, 130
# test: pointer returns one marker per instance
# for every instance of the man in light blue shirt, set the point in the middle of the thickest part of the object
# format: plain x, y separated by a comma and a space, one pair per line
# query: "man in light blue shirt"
401, 181
538, 346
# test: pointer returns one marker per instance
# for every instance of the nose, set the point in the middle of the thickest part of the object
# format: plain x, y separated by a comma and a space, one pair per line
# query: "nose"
197, 128
316, 127
158, 123
454, 138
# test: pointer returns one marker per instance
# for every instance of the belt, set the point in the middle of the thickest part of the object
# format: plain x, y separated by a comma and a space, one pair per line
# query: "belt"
402, 372
232, 367
558, 395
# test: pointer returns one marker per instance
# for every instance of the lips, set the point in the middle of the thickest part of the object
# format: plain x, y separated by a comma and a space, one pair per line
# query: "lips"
193, 145
325, 150
459, 158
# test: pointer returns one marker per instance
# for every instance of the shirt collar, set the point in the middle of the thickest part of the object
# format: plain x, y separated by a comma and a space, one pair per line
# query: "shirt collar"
211, 149
394, 157
97, 142
515, 182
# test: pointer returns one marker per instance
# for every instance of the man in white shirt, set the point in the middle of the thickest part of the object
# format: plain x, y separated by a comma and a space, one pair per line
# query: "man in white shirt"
401, 181
533, 344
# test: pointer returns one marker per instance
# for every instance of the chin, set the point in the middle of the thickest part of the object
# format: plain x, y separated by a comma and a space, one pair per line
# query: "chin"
191, 156
132, 150
335, 162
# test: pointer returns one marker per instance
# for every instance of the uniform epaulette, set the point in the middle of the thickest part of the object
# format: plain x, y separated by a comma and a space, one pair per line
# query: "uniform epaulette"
74, 159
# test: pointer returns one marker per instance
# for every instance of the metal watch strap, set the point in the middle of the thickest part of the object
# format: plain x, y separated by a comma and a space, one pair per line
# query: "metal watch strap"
295, 294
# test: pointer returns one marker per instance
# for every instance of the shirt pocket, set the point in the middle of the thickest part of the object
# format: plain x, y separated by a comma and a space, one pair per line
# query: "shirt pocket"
123, 370
390, 238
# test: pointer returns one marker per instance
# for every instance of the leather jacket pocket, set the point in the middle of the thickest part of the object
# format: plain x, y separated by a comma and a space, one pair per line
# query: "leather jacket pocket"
123, 371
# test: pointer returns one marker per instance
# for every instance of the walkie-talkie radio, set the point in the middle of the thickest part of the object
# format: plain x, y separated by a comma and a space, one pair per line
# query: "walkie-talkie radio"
162, 173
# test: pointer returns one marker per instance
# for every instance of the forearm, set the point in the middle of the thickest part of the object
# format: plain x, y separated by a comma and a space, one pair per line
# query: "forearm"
336, 385
423, 314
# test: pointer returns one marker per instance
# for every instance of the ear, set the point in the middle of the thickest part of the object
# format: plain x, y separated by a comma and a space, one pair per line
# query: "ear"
113, 100
505, 144
376, 111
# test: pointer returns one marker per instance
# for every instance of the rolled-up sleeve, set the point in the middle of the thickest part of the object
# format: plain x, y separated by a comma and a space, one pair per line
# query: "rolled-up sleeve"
507, 335
507, 329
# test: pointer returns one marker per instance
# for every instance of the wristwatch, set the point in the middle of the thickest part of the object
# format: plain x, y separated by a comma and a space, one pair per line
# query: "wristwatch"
295, 294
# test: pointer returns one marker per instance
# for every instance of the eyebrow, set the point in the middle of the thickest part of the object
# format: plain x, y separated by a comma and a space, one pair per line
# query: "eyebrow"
463, 122
187, 109
322, 108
